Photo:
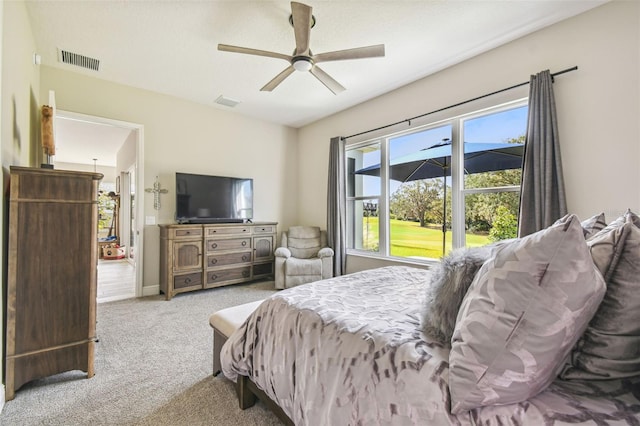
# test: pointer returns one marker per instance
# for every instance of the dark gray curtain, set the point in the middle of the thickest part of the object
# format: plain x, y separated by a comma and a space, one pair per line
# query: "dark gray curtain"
337, 205
542, 199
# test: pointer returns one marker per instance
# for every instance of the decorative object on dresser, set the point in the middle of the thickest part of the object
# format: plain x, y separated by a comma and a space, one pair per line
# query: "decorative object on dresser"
52, 271
47, 135
194, 257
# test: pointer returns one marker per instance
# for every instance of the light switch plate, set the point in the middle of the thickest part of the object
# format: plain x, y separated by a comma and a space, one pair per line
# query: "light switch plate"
149, 220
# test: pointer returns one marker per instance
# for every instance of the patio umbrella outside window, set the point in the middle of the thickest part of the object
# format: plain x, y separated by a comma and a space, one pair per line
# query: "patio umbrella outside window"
435, 162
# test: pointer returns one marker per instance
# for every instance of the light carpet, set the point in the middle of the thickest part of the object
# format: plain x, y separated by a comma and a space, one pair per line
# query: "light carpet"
153, 367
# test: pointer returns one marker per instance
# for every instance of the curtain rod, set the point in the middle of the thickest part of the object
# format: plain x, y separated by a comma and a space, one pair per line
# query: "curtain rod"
408, 120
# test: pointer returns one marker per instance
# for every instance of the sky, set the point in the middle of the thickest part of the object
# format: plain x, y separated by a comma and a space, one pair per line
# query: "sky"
496, 127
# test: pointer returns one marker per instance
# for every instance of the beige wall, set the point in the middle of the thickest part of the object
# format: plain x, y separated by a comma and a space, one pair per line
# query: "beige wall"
20, 88
189, 137
598, 108
126, 156
19, 110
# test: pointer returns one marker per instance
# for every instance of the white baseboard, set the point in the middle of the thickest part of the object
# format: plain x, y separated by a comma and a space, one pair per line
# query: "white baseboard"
151, 290
1, 398
118, 297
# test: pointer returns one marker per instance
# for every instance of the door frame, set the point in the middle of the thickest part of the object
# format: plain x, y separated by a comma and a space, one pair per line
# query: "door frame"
139, 184
125, 206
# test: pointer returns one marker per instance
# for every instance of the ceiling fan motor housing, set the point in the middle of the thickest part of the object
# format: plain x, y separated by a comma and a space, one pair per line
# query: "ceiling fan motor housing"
302, 63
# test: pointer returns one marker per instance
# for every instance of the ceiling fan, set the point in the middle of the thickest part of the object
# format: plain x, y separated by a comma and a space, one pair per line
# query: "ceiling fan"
302, 58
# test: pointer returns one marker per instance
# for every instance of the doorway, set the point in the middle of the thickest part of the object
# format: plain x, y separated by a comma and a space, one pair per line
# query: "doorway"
119, 276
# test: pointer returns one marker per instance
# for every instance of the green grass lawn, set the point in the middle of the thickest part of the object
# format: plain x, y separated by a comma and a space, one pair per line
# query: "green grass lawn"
408, 239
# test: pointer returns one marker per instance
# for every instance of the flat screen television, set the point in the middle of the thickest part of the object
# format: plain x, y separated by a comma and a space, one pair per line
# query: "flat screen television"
213, 199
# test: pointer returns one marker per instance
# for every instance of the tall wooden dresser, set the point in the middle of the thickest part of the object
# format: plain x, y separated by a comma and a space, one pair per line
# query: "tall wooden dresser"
52, 271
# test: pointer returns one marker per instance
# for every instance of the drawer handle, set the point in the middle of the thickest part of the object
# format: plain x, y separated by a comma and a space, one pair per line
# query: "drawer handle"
244, 230
187, 232
188, 281
245, 257
264, 229
214, 261
244, 243
214, 245
245, 274
214, 277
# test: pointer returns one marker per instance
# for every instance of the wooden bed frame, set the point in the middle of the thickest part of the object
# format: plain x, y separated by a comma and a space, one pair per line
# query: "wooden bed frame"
248, 393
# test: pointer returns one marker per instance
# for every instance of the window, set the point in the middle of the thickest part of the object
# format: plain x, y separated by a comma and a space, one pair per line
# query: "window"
363, 198
421, 193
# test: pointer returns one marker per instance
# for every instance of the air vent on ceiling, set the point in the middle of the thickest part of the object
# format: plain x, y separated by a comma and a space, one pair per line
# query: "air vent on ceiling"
78, 60
226, 101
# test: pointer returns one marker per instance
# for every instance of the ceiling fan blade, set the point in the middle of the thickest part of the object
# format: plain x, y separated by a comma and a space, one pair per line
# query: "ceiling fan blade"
278, 79
355, 53
301, 16
327, 80
248, 51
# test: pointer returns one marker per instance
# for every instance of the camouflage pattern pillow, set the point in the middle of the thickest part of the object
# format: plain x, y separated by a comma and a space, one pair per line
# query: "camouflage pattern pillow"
593, 225
525, 310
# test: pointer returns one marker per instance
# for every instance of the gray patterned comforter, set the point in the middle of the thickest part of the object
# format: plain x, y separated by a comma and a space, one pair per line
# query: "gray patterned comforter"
350, 351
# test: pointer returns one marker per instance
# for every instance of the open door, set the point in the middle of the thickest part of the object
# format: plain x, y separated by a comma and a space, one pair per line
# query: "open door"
129, 225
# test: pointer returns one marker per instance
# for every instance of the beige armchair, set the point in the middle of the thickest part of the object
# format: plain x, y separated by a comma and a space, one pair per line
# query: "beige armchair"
303, 257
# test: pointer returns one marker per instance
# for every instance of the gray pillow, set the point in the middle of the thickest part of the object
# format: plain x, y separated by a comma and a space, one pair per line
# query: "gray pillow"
593, 225
632, 217
610, 346
450, 280
607, 245
525, 310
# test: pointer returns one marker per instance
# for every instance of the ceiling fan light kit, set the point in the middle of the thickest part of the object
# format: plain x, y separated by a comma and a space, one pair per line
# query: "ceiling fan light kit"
301, 63
302, 59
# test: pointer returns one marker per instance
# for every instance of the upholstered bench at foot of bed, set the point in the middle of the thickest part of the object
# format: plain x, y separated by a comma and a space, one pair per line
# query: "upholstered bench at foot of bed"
226, 321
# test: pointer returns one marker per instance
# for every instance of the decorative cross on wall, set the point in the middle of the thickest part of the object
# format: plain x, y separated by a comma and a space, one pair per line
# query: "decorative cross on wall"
156, 190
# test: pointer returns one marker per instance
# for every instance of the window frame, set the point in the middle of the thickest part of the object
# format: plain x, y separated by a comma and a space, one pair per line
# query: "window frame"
458, 192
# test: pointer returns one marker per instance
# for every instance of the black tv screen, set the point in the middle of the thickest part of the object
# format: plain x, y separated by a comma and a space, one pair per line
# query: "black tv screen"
213, 199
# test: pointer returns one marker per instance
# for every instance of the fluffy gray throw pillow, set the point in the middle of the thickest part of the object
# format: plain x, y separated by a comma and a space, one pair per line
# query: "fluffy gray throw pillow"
450, 280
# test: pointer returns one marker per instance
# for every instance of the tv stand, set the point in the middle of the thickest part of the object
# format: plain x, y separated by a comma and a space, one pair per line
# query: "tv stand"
199, 256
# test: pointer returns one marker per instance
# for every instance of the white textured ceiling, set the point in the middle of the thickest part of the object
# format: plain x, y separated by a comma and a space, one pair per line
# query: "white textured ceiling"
171, 46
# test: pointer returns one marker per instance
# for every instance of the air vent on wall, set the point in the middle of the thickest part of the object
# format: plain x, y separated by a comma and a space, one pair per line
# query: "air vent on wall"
78, 60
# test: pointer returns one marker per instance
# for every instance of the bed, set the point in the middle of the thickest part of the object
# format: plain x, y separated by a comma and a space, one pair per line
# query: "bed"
351, 351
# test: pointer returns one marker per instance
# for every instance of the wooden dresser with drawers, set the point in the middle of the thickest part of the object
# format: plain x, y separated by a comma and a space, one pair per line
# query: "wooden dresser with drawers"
195, 257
